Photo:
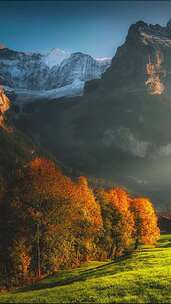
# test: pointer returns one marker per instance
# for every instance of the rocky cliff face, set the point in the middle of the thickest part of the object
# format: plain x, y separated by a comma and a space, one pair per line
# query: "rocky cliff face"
154, 82
143, 61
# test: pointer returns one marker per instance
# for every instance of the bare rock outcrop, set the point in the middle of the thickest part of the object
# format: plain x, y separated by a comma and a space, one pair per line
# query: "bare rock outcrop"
143, 62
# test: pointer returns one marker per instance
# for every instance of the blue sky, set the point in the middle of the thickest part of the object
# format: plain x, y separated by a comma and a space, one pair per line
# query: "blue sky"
93, 27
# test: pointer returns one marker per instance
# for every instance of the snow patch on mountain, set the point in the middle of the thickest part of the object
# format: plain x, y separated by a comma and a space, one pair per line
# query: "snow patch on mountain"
23, 96
103, 59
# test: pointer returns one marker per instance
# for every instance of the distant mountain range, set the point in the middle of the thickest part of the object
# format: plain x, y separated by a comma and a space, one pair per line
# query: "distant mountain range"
120, 129
52, 75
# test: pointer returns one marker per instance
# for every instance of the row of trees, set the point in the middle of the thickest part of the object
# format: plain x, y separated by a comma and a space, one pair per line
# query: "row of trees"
50, 222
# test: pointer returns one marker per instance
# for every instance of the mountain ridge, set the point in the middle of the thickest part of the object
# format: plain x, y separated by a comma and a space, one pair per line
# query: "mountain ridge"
38, 73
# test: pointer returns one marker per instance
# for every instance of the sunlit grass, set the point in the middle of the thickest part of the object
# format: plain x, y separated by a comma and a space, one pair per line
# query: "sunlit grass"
144, 277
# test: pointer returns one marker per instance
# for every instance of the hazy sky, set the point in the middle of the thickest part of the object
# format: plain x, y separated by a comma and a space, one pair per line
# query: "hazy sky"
93, 27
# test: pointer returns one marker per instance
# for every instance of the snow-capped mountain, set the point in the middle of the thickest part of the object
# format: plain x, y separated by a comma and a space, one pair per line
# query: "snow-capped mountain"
42, 74
77, 67
55, 57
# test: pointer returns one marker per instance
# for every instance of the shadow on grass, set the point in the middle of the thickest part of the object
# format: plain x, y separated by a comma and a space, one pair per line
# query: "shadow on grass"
86, 274
165, 242
165, 245
95, 272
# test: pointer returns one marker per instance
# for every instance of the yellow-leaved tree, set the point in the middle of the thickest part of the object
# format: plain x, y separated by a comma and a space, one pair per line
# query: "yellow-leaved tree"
146, 228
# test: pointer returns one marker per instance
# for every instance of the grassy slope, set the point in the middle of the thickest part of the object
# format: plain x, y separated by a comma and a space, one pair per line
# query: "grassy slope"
144, 277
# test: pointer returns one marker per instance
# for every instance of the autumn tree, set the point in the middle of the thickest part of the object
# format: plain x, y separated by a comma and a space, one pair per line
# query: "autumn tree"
39, 204
20, 260
52, 222
146, 228
118, 221
86, 219
60, 216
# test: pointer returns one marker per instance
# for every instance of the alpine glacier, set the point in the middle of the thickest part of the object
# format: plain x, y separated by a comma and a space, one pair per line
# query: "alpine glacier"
56, 74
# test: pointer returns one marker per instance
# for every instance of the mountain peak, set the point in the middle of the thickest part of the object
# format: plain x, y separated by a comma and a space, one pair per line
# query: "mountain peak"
137, 27
141, 28
55, 57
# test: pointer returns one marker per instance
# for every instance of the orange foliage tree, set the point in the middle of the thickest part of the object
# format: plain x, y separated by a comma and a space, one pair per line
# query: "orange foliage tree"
61, 216
20, 257
146, 228
53, 222
118, 221
87, 221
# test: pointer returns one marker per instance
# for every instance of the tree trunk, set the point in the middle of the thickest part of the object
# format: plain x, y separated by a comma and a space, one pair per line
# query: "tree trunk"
38, 251
112, 250
136, 243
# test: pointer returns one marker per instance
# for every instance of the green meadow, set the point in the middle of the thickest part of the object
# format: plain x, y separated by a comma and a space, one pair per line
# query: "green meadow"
143, 277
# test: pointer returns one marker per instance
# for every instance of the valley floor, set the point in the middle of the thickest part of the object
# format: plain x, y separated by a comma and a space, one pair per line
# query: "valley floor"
144, 277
